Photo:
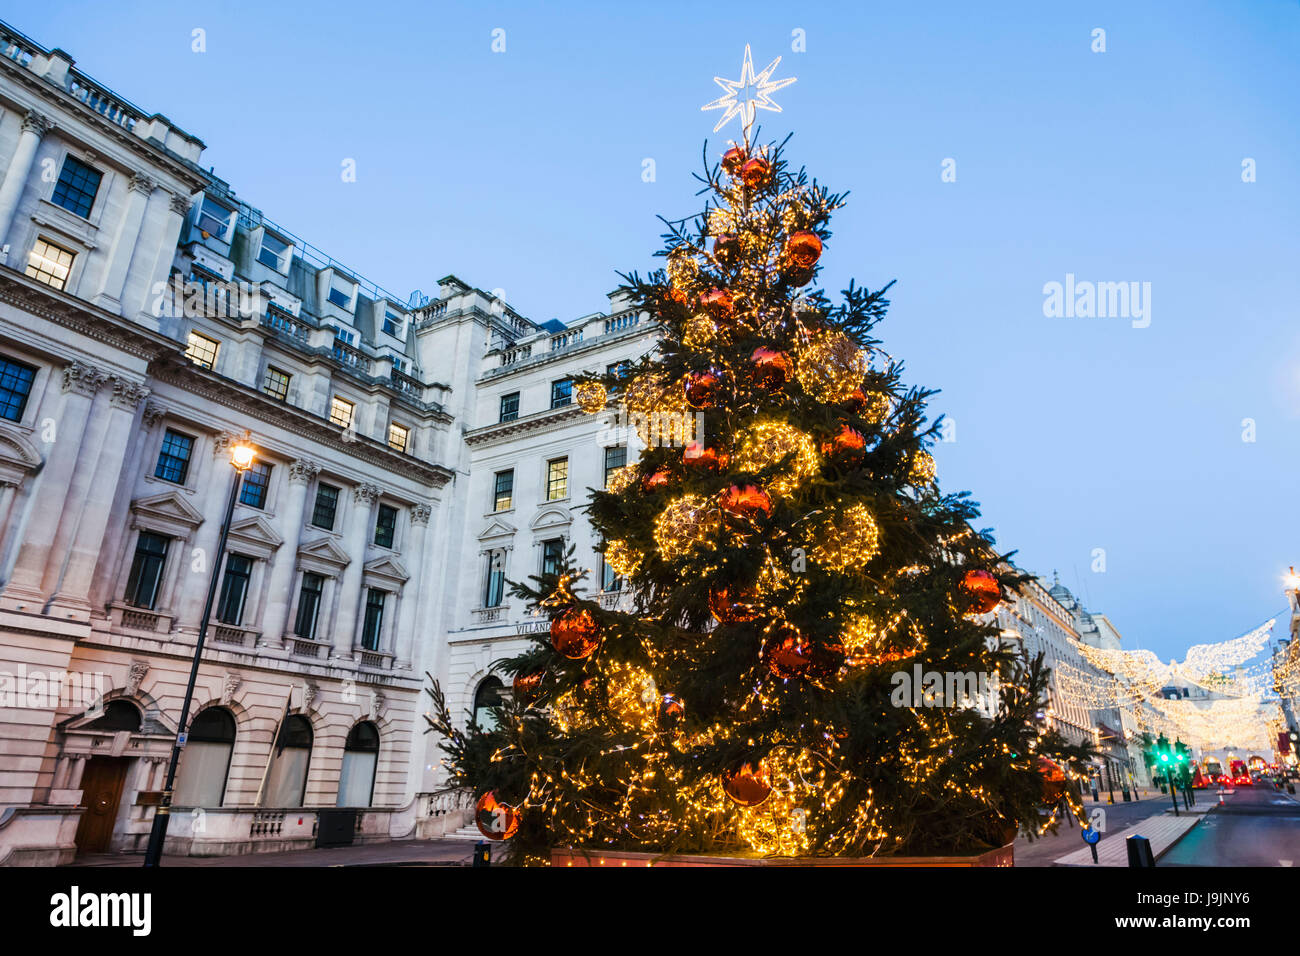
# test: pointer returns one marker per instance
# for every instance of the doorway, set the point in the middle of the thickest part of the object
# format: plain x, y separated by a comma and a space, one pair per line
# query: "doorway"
101, 784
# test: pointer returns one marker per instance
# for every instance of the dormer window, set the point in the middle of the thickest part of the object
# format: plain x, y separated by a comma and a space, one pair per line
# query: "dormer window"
274, 253
214, 220
392, 324
341, 292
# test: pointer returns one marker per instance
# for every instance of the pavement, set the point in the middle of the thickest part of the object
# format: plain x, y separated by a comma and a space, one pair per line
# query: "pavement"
1256, 826
399, 853
1109, 818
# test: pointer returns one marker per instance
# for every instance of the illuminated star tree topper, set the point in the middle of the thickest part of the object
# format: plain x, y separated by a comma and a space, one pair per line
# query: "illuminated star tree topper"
743, 97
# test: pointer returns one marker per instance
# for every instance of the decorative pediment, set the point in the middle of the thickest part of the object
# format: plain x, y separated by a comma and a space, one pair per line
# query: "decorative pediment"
497, 529
385, 570
18, 457
255, 537
553, 516
323, 556
169, 512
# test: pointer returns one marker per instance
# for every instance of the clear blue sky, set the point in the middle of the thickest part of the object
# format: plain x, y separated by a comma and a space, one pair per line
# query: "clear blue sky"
522, 171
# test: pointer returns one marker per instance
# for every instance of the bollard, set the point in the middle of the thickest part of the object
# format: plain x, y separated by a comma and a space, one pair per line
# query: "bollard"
1139, 851
482, 853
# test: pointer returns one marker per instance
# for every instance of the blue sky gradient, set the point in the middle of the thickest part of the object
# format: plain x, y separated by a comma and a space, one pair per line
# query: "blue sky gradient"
522, 171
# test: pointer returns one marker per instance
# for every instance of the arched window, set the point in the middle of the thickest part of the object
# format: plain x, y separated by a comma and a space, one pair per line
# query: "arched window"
117, 715
286, 784
360, 756
488, 695
205, 759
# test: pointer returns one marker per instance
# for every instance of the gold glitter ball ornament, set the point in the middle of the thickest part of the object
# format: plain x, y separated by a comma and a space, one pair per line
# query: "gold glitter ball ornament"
699, 331
922, 470
831, 367
621, 558
849, 540
591, 397
764, 444
684, 525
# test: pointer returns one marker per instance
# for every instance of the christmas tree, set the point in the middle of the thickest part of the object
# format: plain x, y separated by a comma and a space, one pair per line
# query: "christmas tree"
807, 602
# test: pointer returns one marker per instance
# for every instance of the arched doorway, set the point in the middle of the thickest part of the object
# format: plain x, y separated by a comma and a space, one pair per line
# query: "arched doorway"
104, 778
205, 759
286, 784
360, 758
490, 693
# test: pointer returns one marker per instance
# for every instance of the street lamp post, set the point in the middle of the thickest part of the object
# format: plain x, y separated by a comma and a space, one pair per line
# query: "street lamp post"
241, 457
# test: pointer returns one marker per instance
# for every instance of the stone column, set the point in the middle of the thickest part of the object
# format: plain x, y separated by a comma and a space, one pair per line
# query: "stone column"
73, 596
194, 587
123, 244
409, 602
279, 585
157, 250
355, 540
49, 498
35, 125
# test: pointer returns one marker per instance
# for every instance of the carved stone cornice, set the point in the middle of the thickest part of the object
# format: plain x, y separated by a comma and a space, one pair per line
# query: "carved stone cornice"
37, 123
153, 413
82, 379
303, 470
179, 205
140, 183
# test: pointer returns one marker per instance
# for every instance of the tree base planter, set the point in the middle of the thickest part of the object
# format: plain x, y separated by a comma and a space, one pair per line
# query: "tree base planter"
1004, 856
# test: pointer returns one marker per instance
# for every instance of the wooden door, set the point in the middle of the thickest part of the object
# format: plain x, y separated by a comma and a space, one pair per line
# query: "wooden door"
101, 783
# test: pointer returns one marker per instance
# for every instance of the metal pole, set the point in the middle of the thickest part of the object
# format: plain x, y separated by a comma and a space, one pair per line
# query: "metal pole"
162, 815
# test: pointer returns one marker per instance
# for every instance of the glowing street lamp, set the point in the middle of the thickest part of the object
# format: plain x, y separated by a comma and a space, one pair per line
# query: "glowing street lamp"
242, 455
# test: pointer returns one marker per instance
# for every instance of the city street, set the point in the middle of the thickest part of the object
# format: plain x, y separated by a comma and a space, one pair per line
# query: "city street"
1044, 850
1256, 826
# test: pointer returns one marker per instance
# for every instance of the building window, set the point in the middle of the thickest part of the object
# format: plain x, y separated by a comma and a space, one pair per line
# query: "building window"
286, 784
50, 264
205, 760
496, 580
509, 407
392, 325
174, 457
503, 490
309, 596
78, 183
372, 627
234, 589
274, 253
609, 581
386, 526
618, 369
615, 458
326, 507
202, 351
340, 293
341, 411
15, 387
557, 479
276, 383
360, 757
346, 336
145, 580
399, 436
552, 556
214, 220
489, 696
257, 480
561, 392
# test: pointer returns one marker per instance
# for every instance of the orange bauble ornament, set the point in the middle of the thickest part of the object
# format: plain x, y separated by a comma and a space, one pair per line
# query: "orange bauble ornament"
660, 479
1054, 784
733, 159
803, 249
756, 173
771, 369
704, 457
678, 296
847, 443
575, 633
745, 501
526, 685
702, 388
718, 304
788, 653
494, 819
983, 592
748, 784
729, 606
671, 715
